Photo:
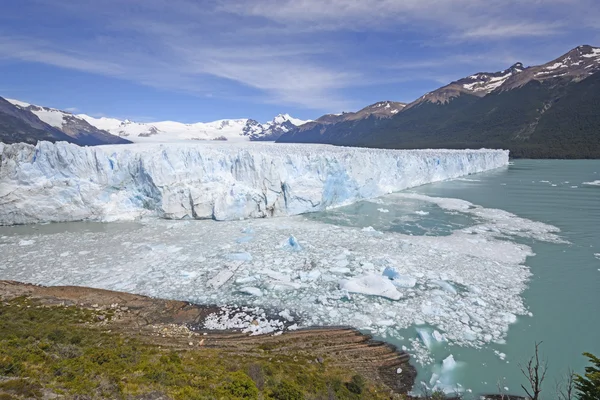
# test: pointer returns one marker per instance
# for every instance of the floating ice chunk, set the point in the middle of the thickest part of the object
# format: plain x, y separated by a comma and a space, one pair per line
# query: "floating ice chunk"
223, 276
239, 256
310, 276
399, 280
251, 290
372, 284
371, 231
188, 274
445, 286
419, 212
26, 242
443, 377
439, 337
291, 244
592, 183
286, 314
469, 335
597, 255
425, 336
248, 230
383, 210
244, 239
246, 279
449, 364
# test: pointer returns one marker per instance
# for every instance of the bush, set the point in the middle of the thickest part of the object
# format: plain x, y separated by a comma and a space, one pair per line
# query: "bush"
356, 384
287, 391
588, 385
240, 386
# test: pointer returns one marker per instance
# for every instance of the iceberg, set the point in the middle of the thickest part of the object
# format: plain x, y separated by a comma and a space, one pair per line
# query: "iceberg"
399, 280
372, 284
53, 182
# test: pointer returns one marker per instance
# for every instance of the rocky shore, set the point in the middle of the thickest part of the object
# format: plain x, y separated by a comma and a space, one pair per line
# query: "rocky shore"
167, 323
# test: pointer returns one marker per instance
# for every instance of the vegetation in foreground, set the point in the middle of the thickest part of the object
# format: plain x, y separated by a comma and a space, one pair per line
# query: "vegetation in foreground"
63, 351
48, 351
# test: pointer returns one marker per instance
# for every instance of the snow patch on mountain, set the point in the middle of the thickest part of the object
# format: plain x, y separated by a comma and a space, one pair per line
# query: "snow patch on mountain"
51, 116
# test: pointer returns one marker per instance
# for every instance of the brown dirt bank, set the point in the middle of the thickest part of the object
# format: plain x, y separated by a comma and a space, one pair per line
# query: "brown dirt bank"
164, 323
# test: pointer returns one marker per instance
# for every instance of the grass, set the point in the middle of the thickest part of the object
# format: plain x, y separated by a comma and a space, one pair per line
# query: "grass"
64, 351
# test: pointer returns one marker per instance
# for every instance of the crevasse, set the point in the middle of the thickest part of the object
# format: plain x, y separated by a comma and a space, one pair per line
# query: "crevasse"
53, 182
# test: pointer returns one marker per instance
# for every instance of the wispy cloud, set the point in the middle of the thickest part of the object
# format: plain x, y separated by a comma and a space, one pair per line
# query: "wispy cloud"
305, 53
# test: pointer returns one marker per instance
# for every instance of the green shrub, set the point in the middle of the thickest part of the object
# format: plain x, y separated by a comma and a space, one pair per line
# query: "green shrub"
240, 386
21, 387
286, 390
9, 366
588, 385
356, 384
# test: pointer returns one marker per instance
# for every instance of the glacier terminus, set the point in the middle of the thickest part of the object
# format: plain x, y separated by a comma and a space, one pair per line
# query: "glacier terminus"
53, 182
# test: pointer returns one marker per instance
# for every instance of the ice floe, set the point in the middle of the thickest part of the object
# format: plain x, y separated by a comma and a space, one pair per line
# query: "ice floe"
465, 286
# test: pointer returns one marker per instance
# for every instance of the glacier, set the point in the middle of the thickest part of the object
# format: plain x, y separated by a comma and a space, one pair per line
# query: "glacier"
54, 182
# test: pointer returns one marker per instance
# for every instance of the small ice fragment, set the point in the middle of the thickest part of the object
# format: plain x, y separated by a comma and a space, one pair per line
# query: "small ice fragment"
426, 338
244, 239
439, 337
248, 230
399, 280
399, 371
251, 290
286, 314
445, 286
291, 244
383, 210
592, 183
371, 231
239, 256
372, 284
419, 212
449, 363
26, 242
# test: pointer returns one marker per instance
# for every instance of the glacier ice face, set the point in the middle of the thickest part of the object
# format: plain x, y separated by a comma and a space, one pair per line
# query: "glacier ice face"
222, 181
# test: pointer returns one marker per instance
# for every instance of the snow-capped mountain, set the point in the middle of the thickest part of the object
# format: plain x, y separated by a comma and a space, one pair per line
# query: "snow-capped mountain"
573, 66
76, 129
544, 111
168, 131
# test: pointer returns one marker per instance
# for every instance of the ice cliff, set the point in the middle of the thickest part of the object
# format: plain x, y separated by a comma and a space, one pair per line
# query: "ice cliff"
223, 181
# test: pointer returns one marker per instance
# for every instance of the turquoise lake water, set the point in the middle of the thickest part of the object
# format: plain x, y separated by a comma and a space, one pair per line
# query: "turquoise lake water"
564, 291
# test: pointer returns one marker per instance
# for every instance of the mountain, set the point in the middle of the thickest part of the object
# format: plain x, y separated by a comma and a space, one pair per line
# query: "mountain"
18, 125
168, 131
545, 111
333, 128
58, 125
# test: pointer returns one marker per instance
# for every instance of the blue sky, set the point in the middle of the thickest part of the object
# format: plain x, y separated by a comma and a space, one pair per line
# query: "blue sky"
203, 60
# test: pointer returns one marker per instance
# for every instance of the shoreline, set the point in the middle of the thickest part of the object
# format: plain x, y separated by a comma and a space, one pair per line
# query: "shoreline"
166, 323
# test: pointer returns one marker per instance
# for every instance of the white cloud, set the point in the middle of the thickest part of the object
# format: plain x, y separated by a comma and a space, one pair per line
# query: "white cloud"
298, 52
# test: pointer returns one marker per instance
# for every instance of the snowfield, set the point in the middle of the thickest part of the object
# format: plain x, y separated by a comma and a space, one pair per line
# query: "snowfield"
207, 180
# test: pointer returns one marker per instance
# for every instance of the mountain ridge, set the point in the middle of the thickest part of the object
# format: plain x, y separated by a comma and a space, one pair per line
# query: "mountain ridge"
505, 109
